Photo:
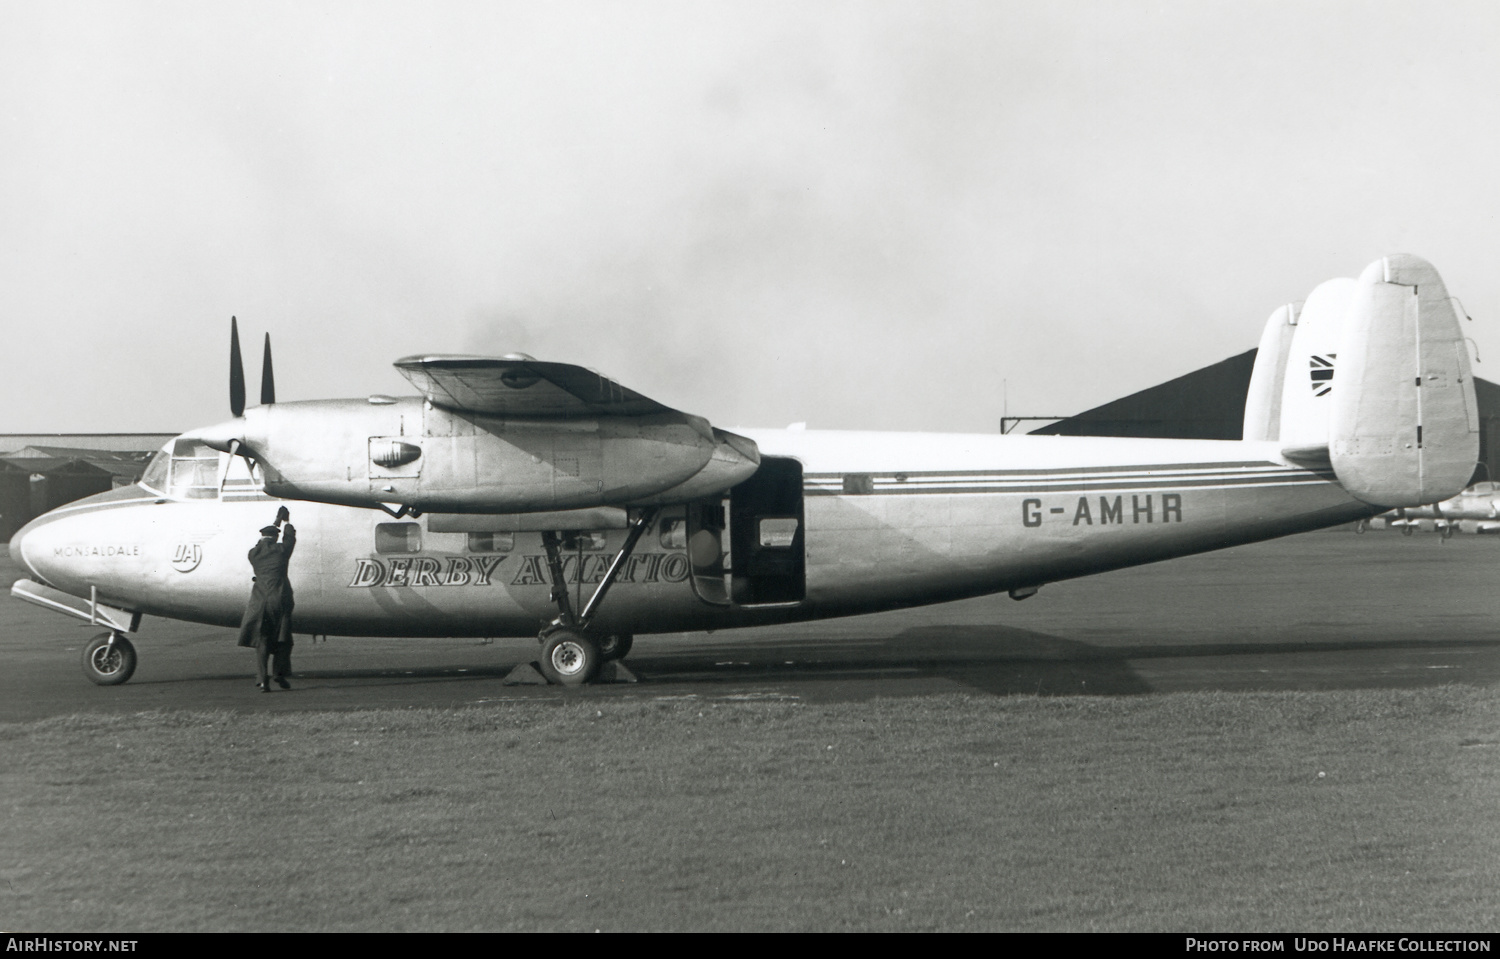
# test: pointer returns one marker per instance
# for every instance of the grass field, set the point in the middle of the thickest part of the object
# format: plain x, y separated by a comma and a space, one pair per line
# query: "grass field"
1326, 811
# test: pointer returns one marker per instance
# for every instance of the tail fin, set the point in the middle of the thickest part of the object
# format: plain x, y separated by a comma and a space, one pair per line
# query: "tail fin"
1263, 399
1404, 424
1308, 386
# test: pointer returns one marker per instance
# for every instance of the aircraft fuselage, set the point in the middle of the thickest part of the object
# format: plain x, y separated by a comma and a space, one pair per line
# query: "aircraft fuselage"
855, 523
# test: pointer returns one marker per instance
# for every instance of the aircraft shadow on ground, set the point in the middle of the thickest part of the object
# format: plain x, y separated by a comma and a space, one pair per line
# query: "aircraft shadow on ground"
996, 659
1009, 661
404, 675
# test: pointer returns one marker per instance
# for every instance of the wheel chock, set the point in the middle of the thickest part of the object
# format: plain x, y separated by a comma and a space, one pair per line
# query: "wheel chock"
530, 674
526, 674
615, 671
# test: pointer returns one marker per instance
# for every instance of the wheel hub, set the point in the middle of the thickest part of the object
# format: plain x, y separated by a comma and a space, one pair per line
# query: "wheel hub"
108, 660
568, 658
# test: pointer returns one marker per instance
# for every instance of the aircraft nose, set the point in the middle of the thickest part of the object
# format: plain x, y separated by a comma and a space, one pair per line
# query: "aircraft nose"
18, 546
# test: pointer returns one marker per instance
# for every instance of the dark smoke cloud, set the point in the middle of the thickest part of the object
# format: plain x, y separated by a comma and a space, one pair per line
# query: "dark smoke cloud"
859, 215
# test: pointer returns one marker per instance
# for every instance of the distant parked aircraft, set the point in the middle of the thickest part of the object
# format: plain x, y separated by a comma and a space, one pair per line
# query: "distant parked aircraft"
1475, 510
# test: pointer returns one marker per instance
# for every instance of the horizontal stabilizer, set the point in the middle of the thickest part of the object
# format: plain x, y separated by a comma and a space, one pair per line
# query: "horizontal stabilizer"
1315, 458
1403, 424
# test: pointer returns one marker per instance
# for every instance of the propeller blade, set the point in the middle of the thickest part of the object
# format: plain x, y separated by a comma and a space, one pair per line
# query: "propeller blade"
236, 371
267, 381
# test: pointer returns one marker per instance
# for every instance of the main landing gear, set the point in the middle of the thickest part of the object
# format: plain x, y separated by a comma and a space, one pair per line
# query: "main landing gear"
615, 646
109, 659
572, 654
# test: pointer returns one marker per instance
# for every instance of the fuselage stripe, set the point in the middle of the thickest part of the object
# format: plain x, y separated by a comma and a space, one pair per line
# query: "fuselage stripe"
1046, 488
1085, 469
989, 483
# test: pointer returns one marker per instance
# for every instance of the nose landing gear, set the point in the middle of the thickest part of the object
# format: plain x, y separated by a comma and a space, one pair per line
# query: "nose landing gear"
109, 659
615, 646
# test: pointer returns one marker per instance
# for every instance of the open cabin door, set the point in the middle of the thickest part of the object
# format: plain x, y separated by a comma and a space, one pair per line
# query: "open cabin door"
767, 558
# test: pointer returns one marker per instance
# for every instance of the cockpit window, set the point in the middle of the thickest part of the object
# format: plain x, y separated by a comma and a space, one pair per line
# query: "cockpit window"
187, 469
155, 477
195, 471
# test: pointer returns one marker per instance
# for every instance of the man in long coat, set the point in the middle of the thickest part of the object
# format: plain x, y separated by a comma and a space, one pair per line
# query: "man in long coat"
267, 623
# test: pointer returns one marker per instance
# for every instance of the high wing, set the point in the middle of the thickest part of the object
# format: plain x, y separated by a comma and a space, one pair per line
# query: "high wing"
520, 386
489, 435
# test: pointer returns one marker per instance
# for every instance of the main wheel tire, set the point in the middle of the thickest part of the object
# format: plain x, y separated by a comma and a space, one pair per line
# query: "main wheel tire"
570, 658
106, 664
615, 646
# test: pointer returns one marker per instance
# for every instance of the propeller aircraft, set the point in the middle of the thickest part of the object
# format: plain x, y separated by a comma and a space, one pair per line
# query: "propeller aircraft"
518, 497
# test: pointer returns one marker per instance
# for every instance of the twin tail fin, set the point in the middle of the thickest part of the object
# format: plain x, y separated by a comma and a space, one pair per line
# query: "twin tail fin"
1370, 379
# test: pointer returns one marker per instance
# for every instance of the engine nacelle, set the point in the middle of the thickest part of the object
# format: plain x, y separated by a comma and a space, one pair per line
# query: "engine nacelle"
409, 452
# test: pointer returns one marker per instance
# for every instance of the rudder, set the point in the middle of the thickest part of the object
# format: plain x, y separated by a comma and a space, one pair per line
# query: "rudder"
1403, 427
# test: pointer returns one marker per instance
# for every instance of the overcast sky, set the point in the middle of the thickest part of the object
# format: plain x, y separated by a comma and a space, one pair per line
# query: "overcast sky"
863, 215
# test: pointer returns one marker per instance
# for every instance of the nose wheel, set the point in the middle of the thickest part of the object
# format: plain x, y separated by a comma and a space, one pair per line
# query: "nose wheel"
109, 659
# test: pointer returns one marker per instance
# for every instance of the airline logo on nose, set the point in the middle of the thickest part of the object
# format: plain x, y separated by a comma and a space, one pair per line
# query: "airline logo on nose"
187, 557
1322, 373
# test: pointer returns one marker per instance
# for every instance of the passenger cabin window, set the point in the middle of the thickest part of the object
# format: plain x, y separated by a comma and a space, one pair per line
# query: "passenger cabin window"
398, 538
194, 471
589, 542
491, 542
674, 533
778, 532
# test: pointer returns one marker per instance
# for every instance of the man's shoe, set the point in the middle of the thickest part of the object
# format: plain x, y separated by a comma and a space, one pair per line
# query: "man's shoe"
281, 681
263, 687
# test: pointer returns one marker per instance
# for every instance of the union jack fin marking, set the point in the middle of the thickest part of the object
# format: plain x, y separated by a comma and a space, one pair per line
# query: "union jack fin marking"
1321, 373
